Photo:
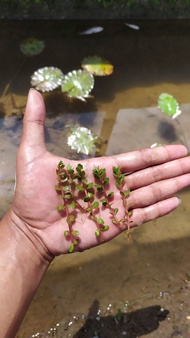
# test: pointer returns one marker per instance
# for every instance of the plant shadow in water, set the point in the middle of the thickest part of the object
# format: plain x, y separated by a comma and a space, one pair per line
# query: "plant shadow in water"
132, 324
167, 131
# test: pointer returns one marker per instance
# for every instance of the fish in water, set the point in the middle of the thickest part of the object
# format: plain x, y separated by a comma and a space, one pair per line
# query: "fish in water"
132, 26
92, 30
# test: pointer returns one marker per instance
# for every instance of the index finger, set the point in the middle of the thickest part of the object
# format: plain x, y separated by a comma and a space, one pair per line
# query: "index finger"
145, 158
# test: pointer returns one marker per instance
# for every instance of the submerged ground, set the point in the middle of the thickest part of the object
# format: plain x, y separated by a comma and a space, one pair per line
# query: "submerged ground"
125, 288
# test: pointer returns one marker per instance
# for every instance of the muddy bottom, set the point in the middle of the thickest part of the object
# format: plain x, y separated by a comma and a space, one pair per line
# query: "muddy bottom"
163, 315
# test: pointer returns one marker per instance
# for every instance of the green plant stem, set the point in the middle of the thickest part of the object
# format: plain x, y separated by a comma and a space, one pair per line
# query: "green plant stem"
73, 185
64, 187
88, 190
100, 175
120, 182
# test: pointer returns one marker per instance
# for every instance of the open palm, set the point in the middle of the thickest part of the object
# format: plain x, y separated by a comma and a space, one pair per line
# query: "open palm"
154, 176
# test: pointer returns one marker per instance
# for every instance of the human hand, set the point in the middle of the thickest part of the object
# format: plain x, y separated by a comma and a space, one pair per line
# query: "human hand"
155, 176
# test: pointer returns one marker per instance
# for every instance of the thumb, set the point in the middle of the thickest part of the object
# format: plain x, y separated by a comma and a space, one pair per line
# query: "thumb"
33, 122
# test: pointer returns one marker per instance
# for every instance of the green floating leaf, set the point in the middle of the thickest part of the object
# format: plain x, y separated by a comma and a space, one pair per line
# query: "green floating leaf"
78, 84
32, 46
97, 66
47, 78
168, 104
82, 140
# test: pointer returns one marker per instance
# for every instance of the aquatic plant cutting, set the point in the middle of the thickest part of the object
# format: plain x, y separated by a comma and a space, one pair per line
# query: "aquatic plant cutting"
79, 194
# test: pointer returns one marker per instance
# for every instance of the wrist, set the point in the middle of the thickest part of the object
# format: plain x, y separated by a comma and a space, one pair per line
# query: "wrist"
23, 263
23, 242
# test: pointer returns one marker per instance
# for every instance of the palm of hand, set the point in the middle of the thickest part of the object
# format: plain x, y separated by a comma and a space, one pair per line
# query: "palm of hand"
36, 202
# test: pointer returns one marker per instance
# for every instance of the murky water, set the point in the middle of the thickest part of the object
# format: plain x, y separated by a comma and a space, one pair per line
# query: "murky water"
147, 62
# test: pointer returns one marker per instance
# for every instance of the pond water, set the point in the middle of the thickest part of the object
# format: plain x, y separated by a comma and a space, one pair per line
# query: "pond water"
147, 62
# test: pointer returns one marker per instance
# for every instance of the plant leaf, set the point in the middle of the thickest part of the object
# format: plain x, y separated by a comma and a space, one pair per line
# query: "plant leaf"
168, 104
100, 220
82, 140
66, 233
60, 207
32, 46
47, 78
71, 248
111, 194
75, 232
97, 66
97, 233
105, 228
116, 211
78, 84
95, 205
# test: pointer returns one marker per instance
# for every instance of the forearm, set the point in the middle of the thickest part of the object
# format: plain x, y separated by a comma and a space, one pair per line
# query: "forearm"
22, 268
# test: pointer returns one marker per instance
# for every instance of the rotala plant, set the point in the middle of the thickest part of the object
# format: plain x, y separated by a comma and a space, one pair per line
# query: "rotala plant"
79, 194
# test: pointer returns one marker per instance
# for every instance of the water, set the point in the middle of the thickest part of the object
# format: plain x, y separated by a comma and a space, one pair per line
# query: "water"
147, 62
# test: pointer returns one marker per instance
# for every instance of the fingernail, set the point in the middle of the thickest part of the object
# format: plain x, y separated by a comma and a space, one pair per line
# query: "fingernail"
179, 199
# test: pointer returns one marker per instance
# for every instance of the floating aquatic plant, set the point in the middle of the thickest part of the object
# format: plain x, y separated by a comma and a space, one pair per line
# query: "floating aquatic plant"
47, 78
97, 66
83, 140
28, 47
169, 105
78, 194
32, 46
78, 84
